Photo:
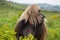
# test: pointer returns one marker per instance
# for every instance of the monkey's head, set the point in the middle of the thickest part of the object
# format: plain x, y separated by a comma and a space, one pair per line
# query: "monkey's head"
33, 15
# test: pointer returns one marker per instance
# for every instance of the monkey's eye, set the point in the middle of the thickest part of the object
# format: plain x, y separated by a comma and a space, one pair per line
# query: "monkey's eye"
38, 10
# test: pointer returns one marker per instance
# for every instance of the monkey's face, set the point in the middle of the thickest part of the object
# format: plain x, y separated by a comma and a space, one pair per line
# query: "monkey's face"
37, 13
42, 17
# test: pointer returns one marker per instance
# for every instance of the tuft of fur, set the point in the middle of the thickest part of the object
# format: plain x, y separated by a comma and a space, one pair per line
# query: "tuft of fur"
33, 16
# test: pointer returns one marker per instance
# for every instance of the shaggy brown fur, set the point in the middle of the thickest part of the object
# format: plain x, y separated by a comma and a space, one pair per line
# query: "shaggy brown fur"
33, 20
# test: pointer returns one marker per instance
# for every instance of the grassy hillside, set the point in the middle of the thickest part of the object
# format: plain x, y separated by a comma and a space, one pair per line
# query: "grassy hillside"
10, 13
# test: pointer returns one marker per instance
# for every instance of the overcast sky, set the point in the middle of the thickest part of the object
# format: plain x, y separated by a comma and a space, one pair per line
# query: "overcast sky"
53, 2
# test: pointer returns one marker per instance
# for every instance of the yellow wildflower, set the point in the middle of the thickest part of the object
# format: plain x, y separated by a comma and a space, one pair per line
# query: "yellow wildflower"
55, 16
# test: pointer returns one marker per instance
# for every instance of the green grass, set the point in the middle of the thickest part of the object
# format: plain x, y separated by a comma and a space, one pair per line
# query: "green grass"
9, 17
